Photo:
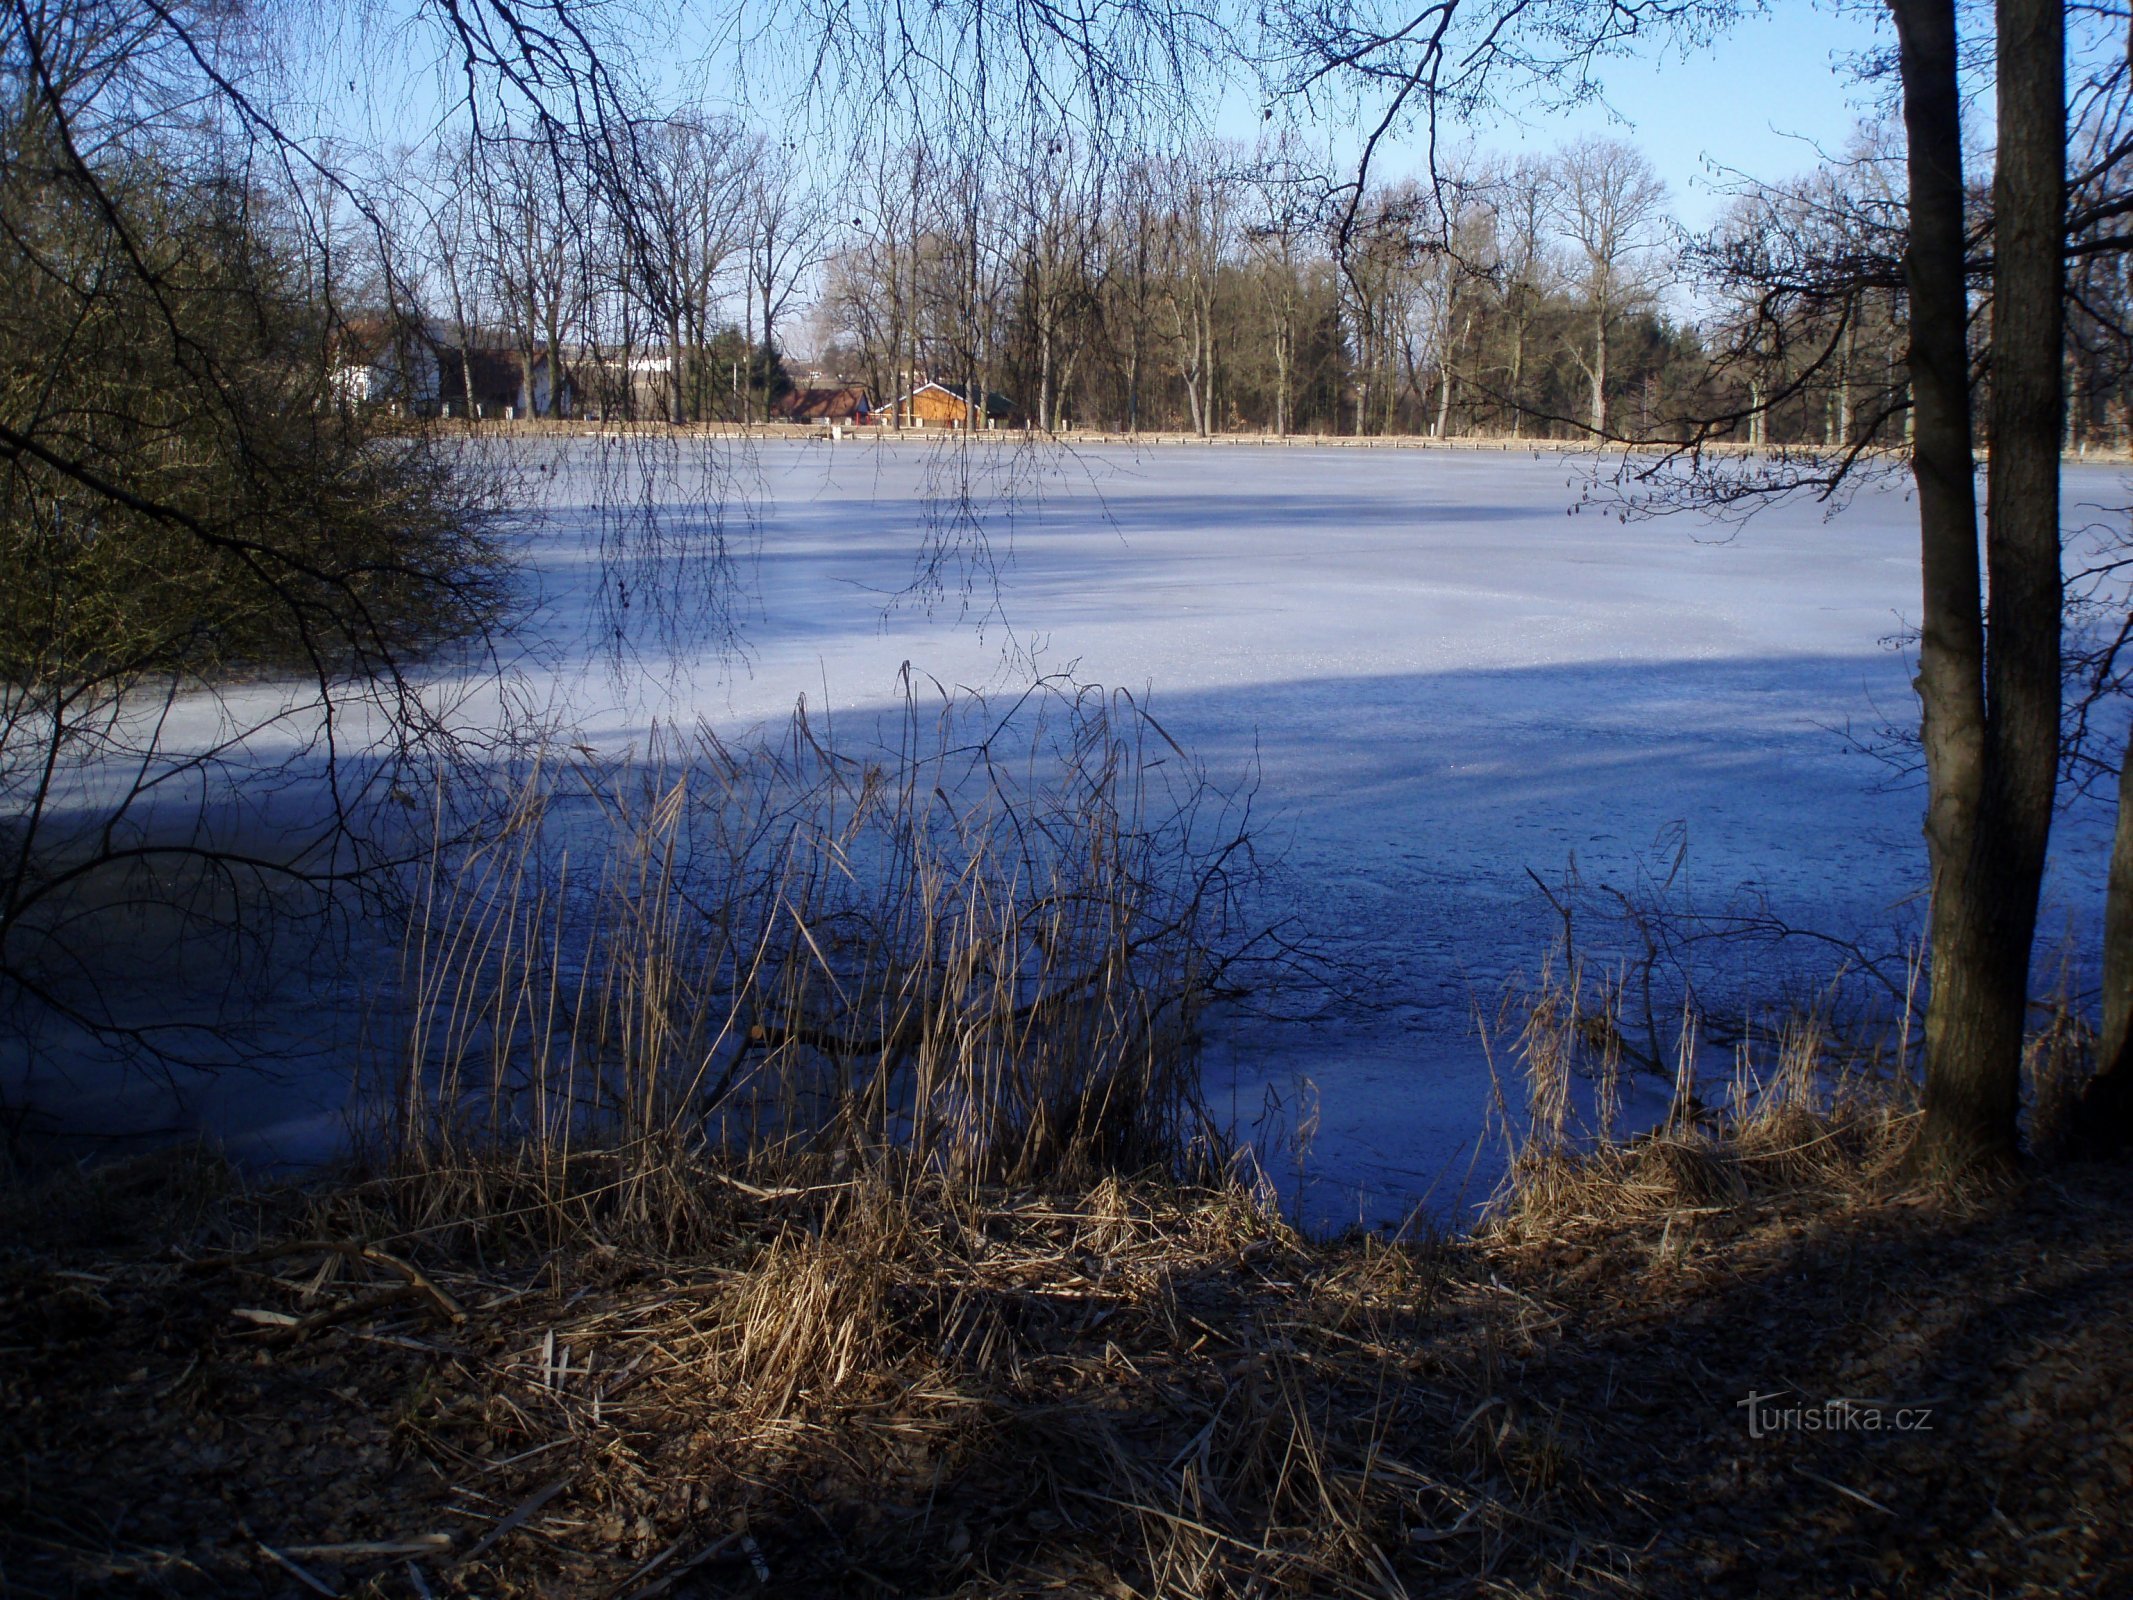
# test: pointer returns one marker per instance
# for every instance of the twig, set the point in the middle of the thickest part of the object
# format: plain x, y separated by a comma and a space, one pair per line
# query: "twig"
1850, 1494
415, 1277
281, 1326
517, 1515
711, 1551
1167, 1516
301, 1576
420, 1544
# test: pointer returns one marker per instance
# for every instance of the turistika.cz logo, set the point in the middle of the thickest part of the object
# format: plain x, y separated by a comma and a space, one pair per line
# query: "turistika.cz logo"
1767, 1416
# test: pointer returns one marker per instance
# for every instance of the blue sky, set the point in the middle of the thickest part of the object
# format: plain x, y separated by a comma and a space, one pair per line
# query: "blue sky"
1757, 101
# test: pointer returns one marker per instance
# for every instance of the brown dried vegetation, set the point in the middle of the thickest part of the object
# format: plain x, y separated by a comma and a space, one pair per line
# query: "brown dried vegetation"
819, 1367
1133, 1389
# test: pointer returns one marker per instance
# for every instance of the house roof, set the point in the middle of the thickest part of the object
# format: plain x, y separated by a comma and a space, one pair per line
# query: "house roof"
366, 339
819, 404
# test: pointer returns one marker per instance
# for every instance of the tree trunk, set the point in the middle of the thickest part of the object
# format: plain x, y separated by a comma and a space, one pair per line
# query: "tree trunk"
2024, 575
558, 404
1965, 1032
1044, 368
977, 372
1518, 377
1066, 386
676, 395
1599, 370
2075, 439
2118, 928
1844, 387
1204, 311
1282, 337
1990, 719
767, 371
2105, 1124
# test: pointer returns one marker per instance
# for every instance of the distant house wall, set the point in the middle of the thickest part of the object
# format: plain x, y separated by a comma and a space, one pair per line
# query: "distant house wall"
544, 389
936, 407
618, 387
374, 365
375, 362
495, 383
942, 405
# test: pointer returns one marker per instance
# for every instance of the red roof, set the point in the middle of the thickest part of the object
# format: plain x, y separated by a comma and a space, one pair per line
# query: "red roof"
822, 405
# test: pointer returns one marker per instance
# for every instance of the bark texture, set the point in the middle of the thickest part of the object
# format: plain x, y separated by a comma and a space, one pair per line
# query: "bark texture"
1990, 693
2105, 1123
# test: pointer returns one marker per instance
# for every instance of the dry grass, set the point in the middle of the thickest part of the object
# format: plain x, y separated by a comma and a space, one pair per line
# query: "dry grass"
662, 1284
1135, 1389
1804, 1112
887, 1383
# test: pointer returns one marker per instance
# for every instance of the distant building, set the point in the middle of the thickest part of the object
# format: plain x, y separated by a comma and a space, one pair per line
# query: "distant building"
948, 405
848, 402
498, 383
619, 383
407, 366
383, 361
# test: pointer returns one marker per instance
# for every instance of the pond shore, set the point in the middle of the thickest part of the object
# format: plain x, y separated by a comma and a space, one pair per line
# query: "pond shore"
1122, 1389
810, 432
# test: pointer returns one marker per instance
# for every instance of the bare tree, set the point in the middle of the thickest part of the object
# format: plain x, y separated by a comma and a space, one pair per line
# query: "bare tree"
1133, 281
194, 498
1611, 207
1055, 211
1527, 268
689, 216
1389, 246
1199, 222
1452, 298
787, 222
212, 331
536, 214
1990, 690
1991, 682
863, 297
444, 254
1287, 204
1809, 277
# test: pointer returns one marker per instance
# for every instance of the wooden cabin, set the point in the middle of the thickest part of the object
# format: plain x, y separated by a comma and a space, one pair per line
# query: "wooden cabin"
947, 405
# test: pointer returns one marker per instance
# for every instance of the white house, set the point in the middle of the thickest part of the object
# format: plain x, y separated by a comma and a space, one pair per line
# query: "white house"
378, 363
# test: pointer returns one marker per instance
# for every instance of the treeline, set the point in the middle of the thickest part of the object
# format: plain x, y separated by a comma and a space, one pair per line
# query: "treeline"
643, 275
1226, 290
1218, 288
1212, 290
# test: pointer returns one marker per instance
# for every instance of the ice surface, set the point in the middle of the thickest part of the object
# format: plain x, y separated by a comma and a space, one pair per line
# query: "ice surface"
1444, 674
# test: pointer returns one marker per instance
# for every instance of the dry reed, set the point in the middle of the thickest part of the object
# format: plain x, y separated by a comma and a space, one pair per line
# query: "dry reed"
1806, 1108
981, 955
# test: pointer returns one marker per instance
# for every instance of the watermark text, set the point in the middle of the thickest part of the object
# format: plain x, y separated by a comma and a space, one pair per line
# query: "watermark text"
1783, 1412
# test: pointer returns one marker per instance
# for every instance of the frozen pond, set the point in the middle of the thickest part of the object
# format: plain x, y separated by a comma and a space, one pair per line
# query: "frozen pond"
1442, 677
